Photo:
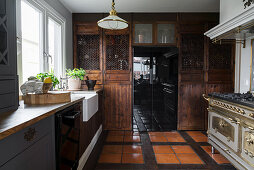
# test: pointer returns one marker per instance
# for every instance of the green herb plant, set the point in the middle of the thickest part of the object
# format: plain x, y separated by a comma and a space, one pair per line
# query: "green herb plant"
42, 76
76, 73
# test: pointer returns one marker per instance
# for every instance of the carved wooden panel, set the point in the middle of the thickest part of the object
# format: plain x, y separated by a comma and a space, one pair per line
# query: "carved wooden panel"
117, 52
117, 107
190, 107
220, 56
192, 51
88, 52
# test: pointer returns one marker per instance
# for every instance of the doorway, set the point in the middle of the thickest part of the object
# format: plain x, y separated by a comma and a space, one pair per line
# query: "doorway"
155, 77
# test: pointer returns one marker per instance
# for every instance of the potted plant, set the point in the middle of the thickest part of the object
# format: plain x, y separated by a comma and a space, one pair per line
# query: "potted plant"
44, 77
75, 77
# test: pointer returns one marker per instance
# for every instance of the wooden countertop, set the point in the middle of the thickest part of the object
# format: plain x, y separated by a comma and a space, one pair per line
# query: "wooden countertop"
26, 115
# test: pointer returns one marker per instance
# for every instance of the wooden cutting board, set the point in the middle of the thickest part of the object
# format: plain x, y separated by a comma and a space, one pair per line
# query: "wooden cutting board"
47, 98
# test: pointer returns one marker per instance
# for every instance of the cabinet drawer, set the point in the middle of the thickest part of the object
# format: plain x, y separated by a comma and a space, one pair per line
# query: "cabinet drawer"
225, 129
7, 86
18, 142
117, 77
248, 145
40, 156
87, 29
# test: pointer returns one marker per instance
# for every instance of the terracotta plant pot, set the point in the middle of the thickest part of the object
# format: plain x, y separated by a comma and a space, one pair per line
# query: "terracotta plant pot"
74, 84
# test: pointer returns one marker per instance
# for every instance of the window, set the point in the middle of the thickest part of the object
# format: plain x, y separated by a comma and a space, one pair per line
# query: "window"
54, 46
40, 39
31, 40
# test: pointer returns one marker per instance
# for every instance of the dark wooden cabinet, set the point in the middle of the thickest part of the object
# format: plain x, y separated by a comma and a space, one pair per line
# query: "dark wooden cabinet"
118, 80
88, 51
118, 110
8, 56
190, 85
107, 57
203, 68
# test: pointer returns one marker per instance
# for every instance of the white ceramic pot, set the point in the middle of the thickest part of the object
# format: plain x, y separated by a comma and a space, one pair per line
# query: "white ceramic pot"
74, 84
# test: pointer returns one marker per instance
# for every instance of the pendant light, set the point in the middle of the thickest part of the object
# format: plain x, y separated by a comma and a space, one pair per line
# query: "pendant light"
113, 22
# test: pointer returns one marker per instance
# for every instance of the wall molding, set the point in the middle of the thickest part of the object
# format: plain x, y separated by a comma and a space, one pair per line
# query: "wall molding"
245, 17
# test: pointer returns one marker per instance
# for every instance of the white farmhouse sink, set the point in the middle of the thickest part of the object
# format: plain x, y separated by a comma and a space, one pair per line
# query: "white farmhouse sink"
90, 105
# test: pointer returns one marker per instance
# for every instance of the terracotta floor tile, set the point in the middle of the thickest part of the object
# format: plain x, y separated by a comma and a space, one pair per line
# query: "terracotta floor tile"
114, 139
131, 139
131, 133
220, 159
156, 133
200, 139
195, 133
162, 149
166, 159
158, 139
175, 139
208, 149
171, 134
112, 149
190, 158
182, 149
132, 149
116, 133
133, 158
110, 158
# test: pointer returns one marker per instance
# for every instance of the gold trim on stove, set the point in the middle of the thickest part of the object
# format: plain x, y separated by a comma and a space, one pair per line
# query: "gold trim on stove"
232, 103
223, 127
222, 111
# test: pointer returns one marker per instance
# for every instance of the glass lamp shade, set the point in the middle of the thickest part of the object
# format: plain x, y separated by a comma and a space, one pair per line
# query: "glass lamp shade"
113, 22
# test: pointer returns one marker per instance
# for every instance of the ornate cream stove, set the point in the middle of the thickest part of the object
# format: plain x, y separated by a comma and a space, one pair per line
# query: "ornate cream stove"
231, 128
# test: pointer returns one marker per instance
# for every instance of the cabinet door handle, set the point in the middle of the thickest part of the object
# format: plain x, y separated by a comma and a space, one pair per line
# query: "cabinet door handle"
30, 134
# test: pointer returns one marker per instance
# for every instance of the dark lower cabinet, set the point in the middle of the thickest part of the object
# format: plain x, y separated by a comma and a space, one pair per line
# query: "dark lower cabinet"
32, 148
38, 156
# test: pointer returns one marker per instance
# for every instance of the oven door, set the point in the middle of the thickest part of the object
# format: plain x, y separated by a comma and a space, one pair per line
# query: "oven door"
225, 129
248, 145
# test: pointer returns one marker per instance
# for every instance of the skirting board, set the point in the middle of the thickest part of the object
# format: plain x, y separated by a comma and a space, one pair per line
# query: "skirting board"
89, 149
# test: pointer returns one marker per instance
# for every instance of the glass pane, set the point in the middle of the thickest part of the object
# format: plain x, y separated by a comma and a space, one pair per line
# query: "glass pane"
117, 52
166, 33
143, 33
88, 52
54, 46
31, 44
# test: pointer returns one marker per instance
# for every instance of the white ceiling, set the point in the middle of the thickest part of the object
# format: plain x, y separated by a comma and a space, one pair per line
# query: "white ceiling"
149, 6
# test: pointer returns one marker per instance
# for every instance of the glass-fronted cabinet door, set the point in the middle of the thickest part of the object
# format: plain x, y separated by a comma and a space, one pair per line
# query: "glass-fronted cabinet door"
165, 33
8, 54
143, 33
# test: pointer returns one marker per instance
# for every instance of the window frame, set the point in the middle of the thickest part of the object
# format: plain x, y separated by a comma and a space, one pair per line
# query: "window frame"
47, 12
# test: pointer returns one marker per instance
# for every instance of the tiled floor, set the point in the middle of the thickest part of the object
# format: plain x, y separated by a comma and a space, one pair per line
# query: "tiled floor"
147, 120
159, 150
